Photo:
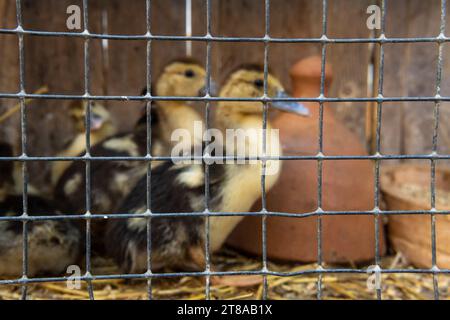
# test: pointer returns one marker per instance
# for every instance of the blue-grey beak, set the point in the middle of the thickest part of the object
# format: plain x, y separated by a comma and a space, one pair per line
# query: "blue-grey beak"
213, 88
290, 106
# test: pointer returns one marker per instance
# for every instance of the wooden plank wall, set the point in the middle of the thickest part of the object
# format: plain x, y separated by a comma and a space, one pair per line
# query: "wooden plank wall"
58, 62
410, 70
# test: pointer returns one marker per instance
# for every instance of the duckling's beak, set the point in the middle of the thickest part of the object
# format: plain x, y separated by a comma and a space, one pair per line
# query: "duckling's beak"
290, 106
96, 122
213, 88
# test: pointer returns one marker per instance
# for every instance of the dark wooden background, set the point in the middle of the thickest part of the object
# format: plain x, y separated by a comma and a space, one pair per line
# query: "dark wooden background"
57, 62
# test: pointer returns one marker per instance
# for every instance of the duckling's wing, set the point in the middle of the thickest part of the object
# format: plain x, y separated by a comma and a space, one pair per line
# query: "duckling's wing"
105, 175
171, 189
142, 121
174, 188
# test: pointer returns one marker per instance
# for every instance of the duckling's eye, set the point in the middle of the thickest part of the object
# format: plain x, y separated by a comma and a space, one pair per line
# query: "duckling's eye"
259, 83
95, 117
189, 73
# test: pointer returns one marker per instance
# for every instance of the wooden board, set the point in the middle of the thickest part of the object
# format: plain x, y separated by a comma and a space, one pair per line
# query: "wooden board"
410, 70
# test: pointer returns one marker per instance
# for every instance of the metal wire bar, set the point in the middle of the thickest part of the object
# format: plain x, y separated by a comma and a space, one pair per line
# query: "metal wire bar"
207, 177
226, 214
88, 194
320, 147
148, 13
138, 276
378, 149
265, 287
247, 158
23, 128
221, 39
382, 99
435, 147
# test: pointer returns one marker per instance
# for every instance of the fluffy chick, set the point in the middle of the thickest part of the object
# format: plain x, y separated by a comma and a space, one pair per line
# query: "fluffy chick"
179, 242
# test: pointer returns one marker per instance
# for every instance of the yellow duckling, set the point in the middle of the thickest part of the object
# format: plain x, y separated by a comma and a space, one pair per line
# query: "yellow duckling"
243, 185
181, 78
179, 242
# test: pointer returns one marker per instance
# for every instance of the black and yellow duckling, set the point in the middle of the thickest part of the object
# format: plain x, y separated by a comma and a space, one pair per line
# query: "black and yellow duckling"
52, 245
113, 180
102, 126
179, 242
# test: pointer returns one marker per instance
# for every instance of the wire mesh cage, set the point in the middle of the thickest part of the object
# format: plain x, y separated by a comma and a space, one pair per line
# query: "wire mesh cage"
377, 42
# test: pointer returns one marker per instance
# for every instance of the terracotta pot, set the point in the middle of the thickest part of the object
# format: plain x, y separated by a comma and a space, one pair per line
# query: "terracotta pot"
347, 185
407, 187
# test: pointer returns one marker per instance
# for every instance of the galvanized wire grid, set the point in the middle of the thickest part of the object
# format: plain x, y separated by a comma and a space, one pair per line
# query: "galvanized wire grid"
377, 213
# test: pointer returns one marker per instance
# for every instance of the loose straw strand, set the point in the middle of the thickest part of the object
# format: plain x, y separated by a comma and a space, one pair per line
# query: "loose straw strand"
10, 112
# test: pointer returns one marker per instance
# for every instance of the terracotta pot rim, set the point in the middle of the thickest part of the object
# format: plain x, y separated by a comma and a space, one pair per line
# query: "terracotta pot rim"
391, 188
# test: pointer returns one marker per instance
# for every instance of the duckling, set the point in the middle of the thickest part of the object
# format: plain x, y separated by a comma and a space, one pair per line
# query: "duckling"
102, 127
113, 180
52, 245
179, 242
182, 78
